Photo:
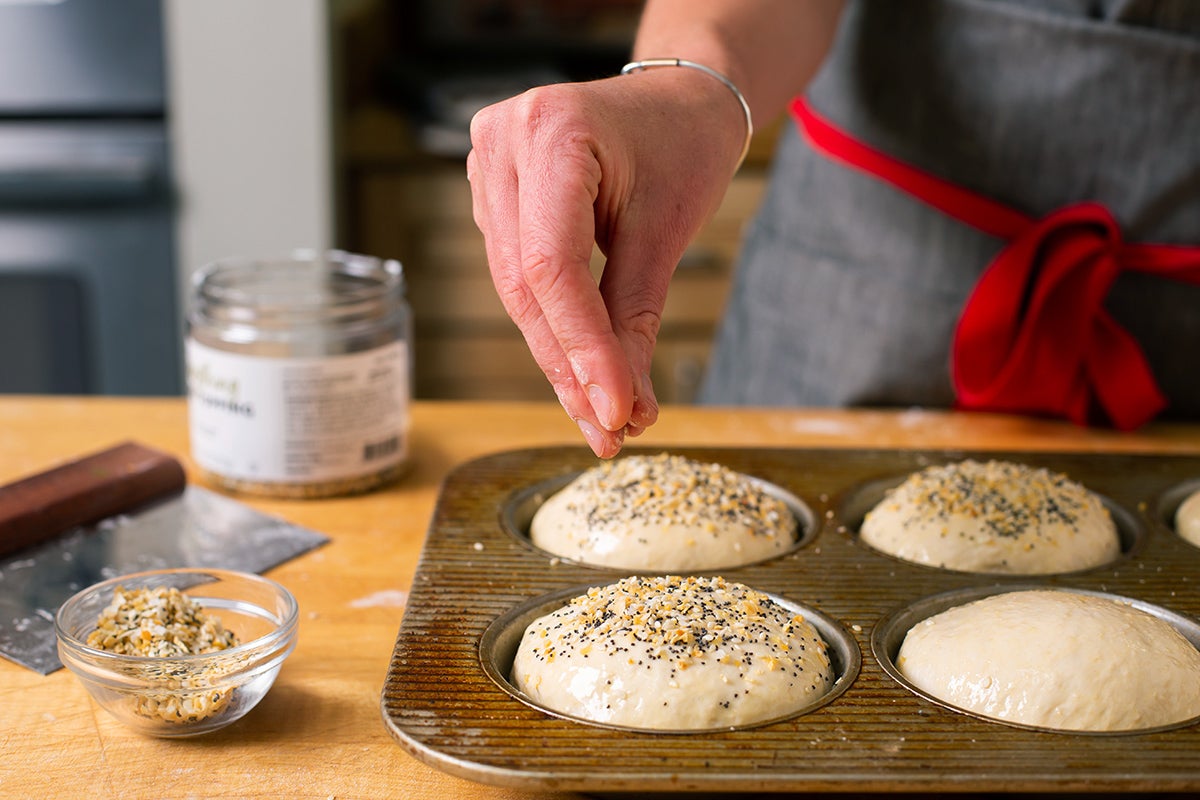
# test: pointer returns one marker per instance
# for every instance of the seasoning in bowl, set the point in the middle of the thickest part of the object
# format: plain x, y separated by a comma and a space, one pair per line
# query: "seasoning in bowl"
164, 622
178, 652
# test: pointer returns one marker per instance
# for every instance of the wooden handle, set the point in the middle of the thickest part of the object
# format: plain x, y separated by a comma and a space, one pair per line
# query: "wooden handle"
116, 480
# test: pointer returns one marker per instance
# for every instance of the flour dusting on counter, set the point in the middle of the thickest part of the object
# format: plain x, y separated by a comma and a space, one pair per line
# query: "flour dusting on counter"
387, 598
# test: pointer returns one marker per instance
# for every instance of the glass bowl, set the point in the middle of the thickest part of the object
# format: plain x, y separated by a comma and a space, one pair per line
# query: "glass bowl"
184, 695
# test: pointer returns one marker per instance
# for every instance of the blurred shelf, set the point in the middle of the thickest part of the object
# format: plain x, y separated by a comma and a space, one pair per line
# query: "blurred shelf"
405, 195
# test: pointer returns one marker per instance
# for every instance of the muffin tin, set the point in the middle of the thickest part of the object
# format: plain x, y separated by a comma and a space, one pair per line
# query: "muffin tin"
447, 700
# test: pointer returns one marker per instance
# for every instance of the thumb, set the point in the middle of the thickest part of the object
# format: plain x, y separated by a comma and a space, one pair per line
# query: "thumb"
634, 285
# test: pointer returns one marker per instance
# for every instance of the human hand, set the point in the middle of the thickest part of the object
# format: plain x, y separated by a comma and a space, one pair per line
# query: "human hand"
634, 164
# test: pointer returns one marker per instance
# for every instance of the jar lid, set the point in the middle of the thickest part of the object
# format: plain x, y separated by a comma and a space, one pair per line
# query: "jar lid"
305, 287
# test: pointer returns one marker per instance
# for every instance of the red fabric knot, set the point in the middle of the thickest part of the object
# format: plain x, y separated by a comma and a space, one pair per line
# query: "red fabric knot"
1034, 336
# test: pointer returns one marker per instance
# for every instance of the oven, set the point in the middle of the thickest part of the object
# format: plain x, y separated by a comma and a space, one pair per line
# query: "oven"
89, 297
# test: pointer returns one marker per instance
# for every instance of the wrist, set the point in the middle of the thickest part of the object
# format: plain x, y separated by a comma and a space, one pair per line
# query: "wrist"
710, 73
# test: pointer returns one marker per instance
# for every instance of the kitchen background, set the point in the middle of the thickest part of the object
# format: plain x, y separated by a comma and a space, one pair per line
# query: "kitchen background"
141, 139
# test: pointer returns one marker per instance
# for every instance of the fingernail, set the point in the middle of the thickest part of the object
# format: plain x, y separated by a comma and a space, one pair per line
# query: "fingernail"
648, 391
594, 438
647, 405
602, 404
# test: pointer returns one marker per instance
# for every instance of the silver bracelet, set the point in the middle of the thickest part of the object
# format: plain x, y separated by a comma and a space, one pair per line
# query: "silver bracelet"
649, 63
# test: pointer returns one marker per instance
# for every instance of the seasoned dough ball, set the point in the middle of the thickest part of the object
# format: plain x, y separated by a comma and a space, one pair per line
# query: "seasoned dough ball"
663, 513
1056, 659
1187, 519
995, 517
673, 653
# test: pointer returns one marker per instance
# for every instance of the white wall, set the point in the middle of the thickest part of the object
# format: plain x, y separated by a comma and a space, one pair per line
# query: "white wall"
249, 108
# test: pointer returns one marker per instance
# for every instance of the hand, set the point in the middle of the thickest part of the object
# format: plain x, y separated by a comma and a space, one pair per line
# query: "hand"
634, 164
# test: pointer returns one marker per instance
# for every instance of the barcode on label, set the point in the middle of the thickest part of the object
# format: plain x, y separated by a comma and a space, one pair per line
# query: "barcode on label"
376, 450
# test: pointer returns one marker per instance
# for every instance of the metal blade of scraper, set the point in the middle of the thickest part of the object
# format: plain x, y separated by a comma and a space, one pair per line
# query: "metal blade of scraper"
198, 528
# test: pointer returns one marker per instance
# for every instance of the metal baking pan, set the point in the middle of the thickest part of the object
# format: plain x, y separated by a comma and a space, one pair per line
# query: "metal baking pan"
446, 702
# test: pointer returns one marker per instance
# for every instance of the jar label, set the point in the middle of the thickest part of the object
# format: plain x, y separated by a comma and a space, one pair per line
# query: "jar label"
298, 420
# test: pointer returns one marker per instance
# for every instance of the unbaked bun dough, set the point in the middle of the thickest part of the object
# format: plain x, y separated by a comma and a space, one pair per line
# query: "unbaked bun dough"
1187, 519
663, 513
1056, 659
672, 653
995, 517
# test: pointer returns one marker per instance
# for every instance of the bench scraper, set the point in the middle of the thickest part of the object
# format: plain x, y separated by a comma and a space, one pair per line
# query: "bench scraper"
125, 509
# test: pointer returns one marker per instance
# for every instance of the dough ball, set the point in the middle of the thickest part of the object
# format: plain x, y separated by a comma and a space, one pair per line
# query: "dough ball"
1056, 659
673, 653
993, 517
1187, 519
663, 513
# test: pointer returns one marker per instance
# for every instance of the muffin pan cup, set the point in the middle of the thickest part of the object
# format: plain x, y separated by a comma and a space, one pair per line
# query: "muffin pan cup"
445, 700
498, 647
889, 633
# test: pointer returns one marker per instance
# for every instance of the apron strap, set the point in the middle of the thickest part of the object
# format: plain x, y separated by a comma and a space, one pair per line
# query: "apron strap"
1034, 336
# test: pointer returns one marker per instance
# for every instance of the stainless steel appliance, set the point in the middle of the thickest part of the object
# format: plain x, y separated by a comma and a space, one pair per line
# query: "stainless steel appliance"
88, 287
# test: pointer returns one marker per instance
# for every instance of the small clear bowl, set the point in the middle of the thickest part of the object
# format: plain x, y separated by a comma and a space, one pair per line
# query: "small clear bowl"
187, 695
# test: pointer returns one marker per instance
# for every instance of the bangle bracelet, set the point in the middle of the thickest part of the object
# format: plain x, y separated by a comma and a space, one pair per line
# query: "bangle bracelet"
649, 63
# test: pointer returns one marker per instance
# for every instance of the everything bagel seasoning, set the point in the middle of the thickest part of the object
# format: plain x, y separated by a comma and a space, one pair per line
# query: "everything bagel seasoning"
993, 516
160, 622
673, 653
670, 489
665, 513
165, 623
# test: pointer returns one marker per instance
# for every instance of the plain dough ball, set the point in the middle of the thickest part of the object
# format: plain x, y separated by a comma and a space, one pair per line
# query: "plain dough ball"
1187, 519
1056, 659
994, 517
673, 653
663, 513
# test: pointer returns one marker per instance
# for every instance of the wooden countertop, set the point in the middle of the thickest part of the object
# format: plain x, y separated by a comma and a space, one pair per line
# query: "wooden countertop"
319, 733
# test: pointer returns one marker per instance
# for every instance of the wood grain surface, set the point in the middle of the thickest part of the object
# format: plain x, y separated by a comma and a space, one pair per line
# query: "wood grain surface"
320, 731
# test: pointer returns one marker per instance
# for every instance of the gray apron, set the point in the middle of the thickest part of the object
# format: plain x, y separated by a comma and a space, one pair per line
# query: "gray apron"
848, 290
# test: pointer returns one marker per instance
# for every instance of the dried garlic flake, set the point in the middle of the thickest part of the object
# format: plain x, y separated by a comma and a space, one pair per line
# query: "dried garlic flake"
160, 622
165, 623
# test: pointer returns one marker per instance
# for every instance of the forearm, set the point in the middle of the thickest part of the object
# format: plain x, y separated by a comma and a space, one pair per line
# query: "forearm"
770, 49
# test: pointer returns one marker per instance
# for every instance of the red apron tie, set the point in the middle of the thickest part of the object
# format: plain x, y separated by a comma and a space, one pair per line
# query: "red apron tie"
1034, 336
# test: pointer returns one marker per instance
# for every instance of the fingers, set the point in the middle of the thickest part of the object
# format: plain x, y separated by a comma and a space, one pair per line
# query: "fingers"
561, 168
636, 278
534, 208
557, 232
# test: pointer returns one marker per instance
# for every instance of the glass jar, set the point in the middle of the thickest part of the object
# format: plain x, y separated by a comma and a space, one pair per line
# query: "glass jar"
299, 373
